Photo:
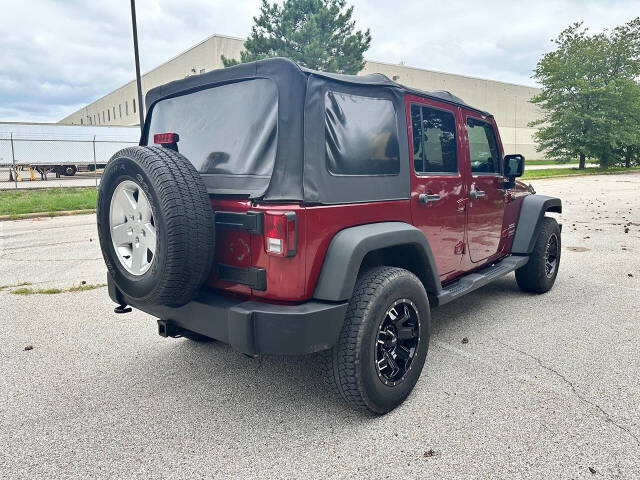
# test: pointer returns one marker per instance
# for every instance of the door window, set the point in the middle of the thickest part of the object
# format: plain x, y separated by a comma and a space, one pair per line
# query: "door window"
483, 147
434, 140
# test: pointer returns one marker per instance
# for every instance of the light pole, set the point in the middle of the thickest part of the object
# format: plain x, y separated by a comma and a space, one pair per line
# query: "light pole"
135, 52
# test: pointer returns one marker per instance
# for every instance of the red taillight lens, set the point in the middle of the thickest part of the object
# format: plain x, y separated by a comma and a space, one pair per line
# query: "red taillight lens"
280, 232
165, 138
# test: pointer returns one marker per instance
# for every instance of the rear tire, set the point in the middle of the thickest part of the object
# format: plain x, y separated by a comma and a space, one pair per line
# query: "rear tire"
539, 274
388, 312
178, 262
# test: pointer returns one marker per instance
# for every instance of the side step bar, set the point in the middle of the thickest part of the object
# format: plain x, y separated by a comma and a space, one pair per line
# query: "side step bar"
480, 278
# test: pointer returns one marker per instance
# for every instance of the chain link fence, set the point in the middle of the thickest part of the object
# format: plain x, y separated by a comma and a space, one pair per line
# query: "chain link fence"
57, 158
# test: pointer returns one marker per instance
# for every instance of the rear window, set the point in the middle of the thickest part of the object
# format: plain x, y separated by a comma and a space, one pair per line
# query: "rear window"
361, 137
229, 130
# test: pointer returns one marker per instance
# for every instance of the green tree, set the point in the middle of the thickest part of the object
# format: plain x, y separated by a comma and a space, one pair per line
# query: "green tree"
590, 96
317, 34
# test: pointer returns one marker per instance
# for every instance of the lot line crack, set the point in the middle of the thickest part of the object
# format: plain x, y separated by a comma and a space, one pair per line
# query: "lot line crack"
584, 400
44, 245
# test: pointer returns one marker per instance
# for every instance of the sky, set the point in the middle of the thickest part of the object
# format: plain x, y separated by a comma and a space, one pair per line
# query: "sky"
58, 56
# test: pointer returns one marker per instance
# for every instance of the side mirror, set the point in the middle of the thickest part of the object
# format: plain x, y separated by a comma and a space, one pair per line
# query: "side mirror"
513, 166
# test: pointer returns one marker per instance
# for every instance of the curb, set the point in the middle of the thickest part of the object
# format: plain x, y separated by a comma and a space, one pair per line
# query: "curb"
61, 213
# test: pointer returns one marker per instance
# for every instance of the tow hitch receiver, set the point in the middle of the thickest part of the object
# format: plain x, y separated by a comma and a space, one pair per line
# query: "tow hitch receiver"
167, 329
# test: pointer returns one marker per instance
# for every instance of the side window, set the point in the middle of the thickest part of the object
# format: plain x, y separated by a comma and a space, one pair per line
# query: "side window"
434, 140
361, 136
483, 147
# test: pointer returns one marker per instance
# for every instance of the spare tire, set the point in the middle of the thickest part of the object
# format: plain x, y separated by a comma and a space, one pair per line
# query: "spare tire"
155, 225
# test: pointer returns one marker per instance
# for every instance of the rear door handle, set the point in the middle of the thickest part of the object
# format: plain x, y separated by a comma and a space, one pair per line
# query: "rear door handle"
476, 194
428, 198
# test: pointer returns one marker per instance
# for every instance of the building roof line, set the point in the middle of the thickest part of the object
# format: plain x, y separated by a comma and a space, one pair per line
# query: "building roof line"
210, 37
449, 73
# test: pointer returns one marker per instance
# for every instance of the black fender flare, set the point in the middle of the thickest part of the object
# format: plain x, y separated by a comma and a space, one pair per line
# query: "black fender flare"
532, 212
349, 246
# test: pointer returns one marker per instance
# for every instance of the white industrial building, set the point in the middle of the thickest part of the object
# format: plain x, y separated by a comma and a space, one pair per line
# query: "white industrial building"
509, 103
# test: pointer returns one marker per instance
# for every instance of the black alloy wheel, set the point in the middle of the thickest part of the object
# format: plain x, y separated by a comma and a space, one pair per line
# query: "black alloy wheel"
551, 256
397, 341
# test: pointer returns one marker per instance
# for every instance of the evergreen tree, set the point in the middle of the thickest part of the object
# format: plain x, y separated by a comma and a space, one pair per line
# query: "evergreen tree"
318, 34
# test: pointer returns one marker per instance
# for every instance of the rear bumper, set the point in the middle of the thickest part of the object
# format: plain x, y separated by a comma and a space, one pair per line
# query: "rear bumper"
249, 326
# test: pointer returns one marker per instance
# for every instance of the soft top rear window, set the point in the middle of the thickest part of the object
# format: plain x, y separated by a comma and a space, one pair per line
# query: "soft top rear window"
228, 132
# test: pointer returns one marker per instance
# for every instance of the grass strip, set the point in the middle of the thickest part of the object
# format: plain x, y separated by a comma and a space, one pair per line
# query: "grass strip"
48, 200
53, 291
545, 162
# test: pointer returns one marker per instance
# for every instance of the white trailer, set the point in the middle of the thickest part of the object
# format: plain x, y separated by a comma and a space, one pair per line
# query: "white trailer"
61, 149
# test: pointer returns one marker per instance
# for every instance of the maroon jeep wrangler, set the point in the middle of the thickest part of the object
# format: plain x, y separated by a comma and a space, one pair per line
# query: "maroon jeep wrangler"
289, 211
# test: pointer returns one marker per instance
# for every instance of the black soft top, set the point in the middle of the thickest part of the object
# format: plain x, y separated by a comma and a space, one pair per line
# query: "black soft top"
259, 68
299, 172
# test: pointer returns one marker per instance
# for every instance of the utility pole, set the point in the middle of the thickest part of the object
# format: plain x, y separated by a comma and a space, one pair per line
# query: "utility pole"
135, 52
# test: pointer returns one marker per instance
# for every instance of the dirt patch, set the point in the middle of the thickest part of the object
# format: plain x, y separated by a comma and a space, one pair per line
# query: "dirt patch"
578, 249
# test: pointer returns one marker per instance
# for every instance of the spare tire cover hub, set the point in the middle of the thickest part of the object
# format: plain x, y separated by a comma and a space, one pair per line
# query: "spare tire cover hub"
132, 227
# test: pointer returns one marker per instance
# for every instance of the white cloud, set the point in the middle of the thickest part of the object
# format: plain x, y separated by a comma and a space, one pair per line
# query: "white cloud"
56, 56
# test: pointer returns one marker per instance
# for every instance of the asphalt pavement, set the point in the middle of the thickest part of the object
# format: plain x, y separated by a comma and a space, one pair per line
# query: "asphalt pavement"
547, 386
80, 179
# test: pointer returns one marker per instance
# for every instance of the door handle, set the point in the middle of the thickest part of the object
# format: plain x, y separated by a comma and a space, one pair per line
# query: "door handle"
428, 198
476, 194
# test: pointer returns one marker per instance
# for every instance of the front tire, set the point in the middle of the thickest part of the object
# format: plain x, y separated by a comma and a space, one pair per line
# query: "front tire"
540, 272
383, 343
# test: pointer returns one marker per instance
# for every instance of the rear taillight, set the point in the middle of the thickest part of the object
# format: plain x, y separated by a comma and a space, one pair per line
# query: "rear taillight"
162, 138
280, 233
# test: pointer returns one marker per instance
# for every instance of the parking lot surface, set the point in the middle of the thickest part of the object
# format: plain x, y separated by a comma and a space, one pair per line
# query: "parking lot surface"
80, 179
546, 387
